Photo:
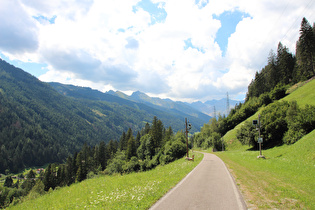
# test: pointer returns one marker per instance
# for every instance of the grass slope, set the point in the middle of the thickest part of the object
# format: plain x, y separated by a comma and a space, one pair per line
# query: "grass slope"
302, 94
285, 179
136, 190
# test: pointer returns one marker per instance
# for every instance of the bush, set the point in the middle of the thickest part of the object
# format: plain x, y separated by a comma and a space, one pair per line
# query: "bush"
292, 136
247, 134
132, 166
278, 92
116, 164
274, 123
176, 150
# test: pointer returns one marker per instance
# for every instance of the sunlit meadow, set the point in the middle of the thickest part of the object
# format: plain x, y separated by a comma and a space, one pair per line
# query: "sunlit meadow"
131, 191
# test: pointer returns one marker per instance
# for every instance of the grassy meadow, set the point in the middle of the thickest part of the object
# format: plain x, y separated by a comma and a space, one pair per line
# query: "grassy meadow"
131, 191
284, 180
303, 95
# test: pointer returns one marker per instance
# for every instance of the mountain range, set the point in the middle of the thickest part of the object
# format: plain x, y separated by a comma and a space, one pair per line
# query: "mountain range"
198, 109
46, 122
215, 107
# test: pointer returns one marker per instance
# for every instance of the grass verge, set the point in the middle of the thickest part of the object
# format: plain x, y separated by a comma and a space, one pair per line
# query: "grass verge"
131, 191
284, 180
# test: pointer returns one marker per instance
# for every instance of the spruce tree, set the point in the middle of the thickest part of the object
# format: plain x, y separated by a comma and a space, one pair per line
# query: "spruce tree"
102, 155
8, 182
305, 51
131, 148
123, 141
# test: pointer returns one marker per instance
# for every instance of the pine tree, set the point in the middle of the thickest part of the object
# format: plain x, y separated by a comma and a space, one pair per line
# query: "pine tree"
131, 148
305, 51
285, 64
81, 172
146, 129
138, 137
70, 171
8, 182
31, 174
129, 134
123, 141
111, 148
102, 155
156, 132
49, 178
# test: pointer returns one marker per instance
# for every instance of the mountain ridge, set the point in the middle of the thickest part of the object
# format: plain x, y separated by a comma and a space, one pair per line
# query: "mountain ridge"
178, 110
40, 125
206, 108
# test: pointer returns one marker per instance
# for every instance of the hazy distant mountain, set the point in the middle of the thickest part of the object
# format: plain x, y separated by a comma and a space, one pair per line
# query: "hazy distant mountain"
166, 105
169, 112
219, 105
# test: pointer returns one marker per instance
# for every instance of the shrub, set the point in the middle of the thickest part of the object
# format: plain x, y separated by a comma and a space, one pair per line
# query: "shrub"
278, 92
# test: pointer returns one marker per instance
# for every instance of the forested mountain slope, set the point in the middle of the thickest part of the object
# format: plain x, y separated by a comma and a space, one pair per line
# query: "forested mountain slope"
38, 125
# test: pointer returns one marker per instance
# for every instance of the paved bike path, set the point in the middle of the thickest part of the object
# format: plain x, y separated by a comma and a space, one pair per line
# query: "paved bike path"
209, 186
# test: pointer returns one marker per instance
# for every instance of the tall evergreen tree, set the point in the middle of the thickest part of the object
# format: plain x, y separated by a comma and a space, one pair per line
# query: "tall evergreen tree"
146, 129
111, 148
123, 141
156, 133
8, 181
305, 51
138, 137
102, 155
131, 148
49, 178
285, 64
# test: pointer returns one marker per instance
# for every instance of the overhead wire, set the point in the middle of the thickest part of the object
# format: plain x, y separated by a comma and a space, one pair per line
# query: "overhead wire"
291, 28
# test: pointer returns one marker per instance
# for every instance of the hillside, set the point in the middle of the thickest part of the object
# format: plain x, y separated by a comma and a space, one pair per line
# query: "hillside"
171, 113
38, 125
130, 191
284, 180
302, 95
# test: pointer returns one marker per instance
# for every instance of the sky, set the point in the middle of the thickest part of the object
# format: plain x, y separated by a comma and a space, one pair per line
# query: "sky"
185, 50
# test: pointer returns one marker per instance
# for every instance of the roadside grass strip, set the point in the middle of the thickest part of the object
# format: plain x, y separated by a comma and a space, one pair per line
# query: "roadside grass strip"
284, 180
131, 191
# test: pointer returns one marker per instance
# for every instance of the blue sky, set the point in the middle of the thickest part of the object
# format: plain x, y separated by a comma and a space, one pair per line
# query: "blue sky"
186, 50
229, 21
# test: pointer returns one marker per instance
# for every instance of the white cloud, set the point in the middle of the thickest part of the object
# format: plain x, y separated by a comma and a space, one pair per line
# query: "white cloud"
109, 44
18, 31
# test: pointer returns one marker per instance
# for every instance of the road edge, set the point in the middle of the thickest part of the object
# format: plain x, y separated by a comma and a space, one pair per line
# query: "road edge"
174, 188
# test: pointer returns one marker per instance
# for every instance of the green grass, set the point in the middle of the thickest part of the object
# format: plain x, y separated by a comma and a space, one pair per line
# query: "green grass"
131, 191
284, 180
230, 137
303, 95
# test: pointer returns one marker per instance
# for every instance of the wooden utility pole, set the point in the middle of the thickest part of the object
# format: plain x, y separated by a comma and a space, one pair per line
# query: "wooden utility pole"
259, 135
186, 132
187, 128
260, 140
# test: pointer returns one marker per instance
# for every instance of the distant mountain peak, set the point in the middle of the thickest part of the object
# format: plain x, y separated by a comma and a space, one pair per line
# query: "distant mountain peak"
139, 96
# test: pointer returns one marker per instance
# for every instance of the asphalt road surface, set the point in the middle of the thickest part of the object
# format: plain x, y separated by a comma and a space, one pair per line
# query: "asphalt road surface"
209, 186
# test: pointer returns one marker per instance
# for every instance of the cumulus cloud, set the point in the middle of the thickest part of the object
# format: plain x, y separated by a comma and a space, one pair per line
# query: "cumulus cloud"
164, 48
18, 31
